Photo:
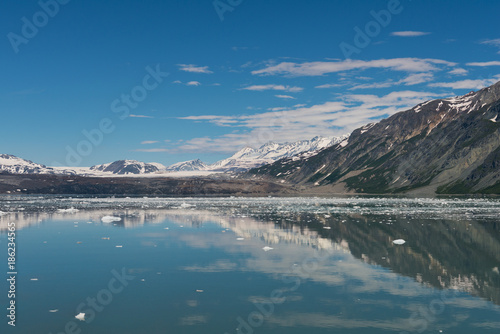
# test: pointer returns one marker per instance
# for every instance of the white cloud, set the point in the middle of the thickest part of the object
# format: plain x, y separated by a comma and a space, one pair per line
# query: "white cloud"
417, 78
147, 142
319, 68
194, 69
285, 97
300, 122
140, 116
484, 64
193, 83
410, 80
459, 71
291, 89
409, 33
467, 84
493, 42
153, 150
329, 86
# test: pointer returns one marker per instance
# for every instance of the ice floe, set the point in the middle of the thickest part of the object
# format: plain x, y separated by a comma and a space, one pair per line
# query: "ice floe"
110, 219
399, 242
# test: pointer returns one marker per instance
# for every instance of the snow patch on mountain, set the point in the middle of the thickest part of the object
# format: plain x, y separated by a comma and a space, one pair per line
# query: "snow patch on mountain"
15, 165
248, 157
184, 166
128, 167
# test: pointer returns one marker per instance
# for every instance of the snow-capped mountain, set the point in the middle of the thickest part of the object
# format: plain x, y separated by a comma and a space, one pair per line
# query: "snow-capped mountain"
242, 160
129, 167
15, 165
449, 145
191, 165
248, 157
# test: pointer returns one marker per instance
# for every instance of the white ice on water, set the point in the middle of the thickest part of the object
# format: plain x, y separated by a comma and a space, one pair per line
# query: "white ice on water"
399, 242
110, 219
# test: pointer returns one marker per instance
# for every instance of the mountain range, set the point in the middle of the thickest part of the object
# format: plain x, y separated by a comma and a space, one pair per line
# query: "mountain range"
440, 146
241, 161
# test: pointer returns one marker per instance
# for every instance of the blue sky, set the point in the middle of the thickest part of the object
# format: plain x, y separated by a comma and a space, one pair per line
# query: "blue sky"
88, 82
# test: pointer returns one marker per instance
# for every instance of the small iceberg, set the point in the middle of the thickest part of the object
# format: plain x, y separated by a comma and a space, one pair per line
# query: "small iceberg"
267, 248
399, 242
54, 311
239, 239
80, 316
110, 219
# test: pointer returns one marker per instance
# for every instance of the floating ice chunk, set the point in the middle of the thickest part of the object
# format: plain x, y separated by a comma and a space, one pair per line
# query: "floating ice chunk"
70, 210
34, 279
54, 311
186, 205
240, 239
110, 219
80, 316
267, 248
119, 246
399, 242
327, 227
199, 290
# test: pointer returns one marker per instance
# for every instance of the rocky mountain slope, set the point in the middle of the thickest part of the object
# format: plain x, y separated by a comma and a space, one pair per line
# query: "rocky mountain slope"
440, 146
122, 167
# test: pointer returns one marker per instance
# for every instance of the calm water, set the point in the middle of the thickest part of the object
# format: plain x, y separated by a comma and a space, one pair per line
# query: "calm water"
242, 265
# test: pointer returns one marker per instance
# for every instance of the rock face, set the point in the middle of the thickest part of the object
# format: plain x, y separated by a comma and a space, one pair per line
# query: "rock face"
439, 146
122, 167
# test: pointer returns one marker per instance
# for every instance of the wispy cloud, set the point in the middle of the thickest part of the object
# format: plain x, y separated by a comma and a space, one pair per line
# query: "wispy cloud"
484, 64
467, 84
285, 97
319, 68
492, 42
409, 33
148, 142
193, 83
291, 89
329, 86
300, 122
153, 150
140, 116
194, 69
410, 80
458, 71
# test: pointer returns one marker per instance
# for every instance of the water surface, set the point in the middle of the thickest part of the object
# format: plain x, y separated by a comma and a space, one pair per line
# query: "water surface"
242, 265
